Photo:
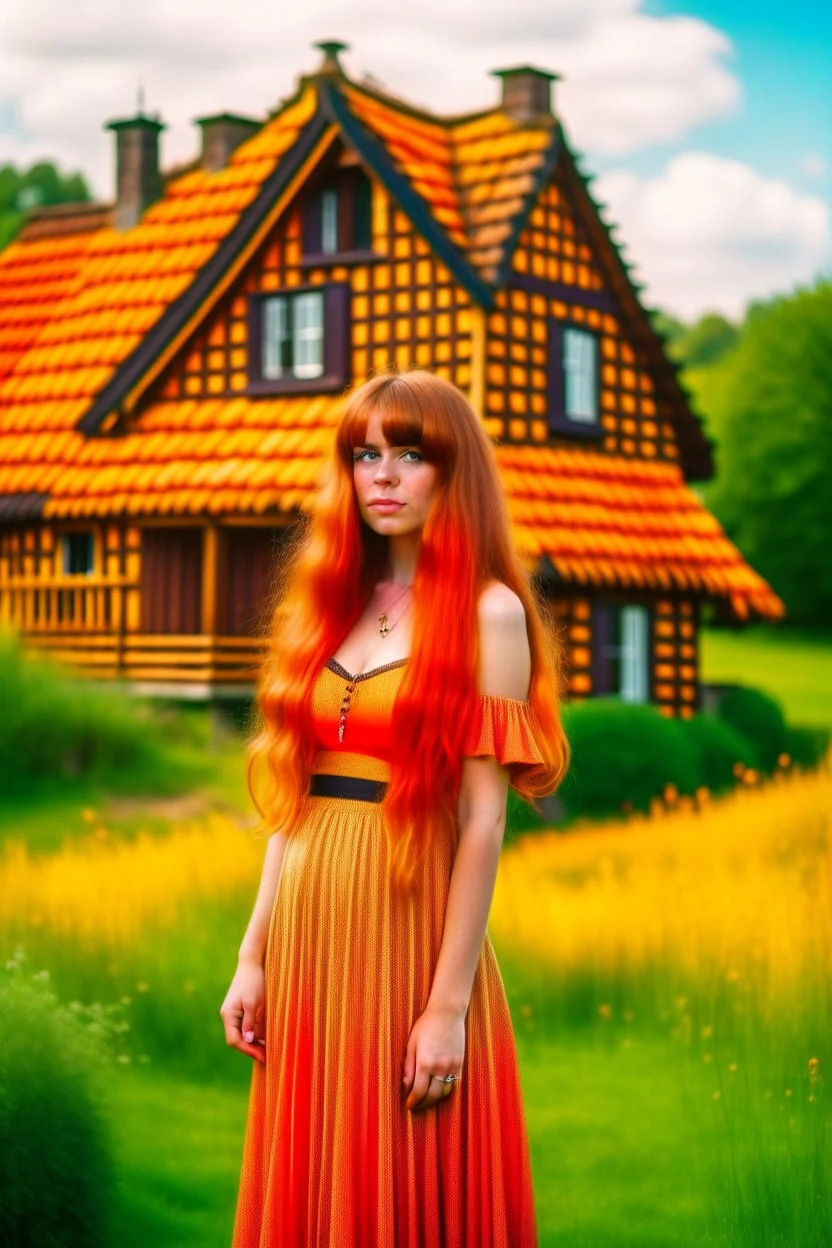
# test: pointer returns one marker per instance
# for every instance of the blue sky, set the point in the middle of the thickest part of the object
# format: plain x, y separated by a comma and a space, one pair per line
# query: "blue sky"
783, 57
707, 122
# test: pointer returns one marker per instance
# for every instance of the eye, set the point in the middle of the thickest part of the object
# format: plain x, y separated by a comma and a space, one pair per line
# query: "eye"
416, 453
359, 455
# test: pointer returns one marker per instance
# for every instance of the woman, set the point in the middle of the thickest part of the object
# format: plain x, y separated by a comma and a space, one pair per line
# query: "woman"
411, 677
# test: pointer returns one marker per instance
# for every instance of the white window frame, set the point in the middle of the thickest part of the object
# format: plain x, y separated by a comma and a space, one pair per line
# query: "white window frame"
580, 375
307, 335
274, 334
634, 653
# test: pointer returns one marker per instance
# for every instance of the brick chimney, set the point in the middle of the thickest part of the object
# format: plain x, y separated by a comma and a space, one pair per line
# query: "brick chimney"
221, 134
527, 92
138, 176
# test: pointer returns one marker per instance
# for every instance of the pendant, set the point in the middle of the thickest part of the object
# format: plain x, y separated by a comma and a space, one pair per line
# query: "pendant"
345, 709
382, 624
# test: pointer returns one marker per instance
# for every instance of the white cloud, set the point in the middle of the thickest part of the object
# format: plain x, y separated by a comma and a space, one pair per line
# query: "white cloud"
710, 233
813, 165
65, 69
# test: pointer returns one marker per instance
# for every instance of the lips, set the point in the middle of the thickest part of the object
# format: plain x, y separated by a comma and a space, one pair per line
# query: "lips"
385, 504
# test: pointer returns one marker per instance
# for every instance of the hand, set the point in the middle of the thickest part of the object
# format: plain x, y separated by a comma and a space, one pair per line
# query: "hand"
242, 1011
436, 1047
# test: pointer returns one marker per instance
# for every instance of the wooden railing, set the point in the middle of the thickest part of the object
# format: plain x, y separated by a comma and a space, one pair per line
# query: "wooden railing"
87, 627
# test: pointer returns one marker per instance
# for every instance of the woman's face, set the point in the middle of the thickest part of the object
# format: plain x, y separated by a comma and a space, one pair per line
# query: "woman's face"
397, 474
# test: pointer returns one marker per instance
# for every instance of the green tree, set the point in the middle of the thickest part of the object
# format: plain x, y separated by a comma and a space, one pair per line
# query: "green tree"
773, 489
705, 342
39, 185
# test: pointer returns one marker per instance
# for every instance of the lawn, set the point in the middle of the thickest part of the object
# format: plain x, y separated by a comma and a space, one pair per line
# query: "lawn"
794, 667
668, 978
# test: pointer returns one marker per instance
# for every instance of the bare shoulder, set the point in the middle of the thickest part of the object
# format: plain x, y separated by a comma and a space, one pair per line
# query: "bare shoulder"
499, 603
504, 654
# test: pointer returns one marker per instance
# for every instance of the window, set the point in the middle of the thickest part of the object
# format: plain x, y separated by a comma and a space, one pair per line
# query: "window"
293, 335
580, 374
621, 651
77, 553
329, 221
574, 389
337, 216
299, 339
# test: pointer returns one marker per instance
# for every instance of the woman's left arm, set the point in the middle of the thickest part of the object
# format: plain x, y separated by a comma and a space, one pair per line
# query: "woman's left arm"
437, 1041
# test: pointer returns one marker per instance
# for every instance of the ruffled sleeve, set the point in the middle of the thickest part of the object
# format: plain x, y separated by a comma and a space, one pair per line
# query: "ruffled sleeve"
507, 729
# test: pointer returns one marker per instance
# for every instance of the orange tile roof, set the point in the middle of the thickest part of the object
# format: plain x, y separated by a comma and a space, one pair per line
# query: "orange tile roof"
35, 277
218, 456
603, 520
475, 175
81, 305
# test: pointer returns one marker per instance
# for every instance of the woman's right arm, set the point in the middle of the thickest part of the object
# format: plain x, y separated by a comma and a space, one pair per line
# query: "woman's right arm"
253, 946
242, 1009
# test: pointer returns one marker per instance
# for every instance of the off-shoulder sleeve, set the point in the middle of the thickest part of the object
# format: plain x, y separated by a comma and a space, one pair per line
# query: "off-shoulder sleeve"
507, 729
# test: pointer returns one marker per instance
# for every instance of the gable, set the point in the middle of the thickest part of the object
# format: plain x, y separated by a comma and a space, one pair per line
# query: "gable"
565, 256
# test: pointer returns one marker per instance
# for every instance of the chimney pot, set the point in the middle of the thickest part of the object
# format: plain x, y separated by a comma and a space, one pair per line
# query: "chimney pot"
527, 92
222, 133
138, 176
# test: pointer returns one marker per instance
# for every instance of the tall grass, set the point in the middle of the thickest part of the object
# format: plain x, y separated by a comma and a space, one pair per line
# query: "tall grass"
702, 931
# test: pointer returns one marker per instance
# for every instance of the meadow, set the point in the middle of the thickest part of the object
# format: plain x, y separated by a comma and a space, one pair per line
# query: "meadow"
669, 978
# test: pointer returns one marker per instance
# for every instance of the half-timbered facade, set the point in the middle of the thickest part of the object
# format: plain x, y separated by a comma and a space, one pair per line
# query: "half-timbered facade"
172, 367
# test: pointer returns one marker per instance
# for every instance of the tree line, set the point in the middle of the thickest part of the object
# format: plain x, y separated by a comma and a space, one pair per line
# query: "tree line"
764, 390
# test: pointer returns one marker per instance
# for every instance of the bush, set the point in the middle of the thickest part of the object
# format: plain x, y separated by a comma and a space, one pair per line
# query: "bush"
58, 726
622, 752
718, 748
807, 744
758, 718
55, 1165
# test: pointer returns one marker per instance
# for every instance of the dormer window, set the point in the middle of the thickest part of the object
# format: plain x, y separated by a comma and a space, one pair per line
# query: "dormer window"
337, 217
574, 380
329, 221
299, 339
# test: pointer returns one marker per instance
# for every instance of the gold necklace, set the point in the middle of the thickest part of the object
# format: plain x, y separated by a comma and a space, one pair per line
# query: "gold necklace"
384, 626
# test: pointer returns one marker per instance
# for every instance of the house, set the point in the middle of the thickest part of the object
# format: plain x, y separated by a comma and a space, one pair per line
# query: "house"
172, 366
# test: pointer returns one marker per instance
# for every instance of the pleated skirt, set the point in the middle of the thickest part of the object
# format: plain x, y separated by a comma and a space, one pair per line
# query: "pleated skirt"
331, 1155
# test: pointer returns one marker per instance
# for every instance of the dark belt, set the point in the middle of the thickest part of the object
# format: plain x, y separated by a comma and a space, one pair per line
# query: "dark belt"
324, 785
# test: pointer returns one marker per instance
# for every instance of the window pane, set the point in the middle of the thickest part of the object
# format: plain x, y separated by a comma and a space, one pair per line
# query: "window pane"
77, 553
275, 336
329, 221
308, 336
580, 368
635, 654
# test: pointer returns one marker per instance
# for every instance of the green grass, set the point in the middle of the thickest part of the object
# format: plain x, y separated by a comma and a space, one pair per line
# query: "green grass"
794, 667
618, 1121
627, 1142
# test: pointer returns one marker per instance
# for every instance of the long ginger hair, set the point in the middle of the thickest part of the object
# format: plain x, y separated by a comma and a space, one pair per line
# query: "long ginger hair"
324, 582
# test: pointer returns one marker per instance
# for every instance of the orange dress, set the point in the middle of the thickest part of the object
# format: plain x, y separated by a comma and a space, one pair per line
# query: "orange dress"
331, 1155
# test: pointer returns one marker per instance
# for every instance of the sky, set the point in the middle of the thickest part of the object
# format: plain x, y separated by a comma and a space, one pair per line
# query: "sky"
706, 123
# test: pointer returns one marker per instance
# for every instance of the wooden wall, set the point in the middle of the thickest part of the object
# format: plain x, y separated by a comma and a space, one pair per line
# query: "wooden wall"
405, 308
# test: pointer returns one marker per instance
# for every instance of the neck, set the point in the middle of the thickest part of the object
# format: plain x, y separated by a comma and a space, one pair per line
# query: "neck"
402, 555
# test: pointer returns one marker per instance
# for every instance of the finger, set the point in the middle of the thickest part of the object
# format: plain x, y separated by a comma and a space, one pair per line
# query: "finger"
419, 1090
235, 1040
409, 1070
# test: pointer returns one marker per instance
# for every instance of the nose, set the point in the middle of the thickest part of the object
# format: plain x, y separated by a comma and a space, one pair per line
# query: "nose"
384, 471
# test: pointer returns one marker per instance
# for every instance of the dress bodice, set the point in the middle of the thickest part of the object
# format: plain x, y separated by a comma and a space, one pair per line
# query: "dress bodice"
505, 728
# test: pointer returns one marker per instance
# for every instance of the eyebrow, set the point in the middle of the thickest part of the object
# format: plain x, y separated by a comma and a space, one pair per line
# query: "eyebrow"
371, 446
